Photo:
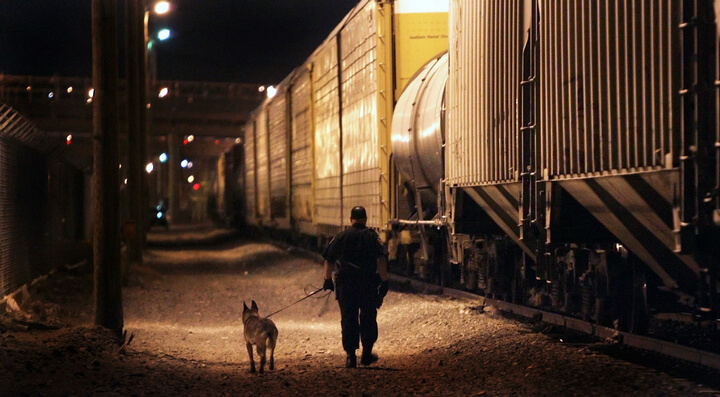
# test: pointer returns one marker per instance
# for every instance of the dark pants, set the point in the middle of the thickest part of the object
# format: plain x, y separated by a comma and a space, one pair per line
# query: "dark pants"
359, 315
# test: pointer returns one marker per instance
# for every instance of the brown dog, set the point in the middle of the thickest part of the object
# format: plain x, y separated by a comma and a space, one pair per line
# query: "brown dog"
260, 332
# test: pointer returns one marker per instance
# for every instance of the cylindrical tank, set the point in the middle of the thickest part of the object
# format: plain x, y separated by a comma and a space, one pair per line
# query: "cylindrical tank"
418, 130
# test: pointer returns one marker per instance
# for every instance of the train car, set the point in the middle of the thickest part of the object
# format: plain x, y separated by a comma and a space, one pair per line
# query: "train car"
327, 143
418, 137
586, 136
483, 168
249, 181
558, 155
230, 191
278, 160
302, 167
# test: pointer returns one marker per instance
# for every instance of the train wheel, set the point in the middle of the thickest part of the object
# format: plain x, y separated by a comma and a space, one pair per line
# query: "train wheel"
471, 280
442, 257
519, 286
631, 305
639, 314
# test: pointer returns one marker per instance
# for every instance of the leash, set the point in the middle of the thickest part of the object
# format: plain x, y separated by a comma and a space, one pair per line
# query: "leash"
294, 303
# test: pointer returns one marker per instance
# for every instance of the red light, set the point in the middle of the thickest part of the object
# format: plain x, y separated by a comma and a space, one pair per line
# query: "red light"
185, 142
196, 186
217, 141
67, 142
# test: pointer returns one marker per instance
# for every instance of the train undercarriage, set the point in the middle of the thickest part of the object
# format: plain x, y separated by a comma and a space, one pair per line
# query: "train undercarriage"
585, 273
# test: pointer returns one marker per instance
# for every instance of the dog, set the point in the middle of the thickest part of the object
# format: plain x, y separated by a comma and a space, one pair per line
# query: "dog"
260, 332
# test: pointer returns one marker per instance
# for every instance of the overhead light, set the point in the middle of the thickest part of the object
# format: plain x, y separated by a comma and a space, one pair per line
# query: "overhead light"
271, 91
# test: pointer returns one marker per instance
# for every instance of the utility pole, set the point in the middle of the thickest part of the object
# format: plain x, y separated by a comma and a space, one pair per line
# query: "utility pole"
136, 129
108, 292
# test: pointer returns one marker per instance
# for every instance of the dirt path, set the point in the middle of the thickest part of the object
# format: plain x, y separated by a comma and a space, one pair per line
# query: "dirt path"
184, 311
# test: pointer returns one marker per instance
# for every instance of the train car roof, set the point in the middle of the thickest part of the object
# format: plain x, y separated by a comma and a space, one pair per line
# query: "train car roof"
283, 85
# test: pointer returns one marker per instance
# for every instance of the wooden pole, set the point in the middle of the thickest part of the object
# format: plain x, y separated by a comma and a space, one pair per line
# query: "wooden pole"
136, 131
107, 294
144, 119
142, 90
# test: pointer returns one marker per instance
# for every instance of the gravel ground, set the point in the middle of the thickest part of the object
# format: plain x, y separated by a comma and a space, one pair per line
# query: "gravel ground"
184, 306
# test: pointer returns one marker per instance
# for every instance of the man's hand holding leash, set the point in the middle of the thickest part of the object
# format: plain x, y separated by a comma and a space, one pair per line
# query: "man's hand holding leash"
328, 285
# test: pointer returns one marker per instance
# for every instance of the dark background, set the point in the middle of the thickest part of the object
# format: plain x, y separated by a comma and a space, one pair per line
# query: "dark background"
244, 41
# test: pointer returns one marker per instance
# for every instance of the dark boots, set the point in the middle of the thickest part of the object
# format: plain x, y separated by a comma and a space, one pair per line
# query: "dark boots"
368, 357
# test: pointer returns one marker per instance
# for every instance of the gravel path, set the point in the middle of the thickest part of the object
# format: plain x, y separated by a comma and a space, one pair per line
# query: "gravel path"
184, 310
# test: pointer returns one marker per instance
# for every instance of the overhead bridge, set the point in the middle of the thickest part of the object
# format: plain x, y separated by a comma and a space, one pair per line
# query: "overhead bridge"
214, 113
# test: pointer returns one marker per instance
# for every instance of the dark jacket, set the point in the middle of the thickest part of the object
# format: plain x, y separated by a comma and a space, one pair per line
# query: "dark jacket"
355, 251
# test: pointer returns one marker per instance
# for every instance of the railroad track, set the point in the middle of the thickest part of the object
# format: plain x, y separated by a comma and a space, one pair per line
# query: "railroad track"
669, 349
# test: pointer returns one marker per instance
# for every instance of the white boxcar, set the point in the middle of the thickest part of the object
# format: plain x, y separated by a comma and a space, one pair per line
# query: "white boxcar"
326, 99
250, 173
278, 161
361, 171
301, 160
262, 175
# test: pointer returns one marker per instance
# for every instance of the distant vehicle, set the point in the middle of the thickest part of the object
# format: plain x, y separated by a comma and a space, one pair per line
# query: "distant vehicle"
158, 215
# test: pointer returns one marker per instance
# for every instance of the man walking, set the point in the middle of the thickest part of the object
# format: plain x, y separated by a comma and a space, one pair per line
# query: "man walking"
358, 257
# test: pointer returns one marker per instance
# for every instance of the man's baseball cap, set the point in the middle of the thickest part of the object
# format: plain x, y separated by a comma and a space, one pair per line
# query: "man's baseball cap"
358, 213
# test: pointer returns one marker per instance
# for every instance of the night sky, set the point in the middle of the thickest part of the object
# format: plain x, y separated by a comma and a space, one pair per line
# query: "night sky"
244, 41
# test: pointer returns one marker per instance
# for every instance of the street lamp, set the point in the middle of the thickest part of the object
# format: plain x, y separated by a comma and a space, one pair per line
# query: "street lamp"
162, 7
163, 34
